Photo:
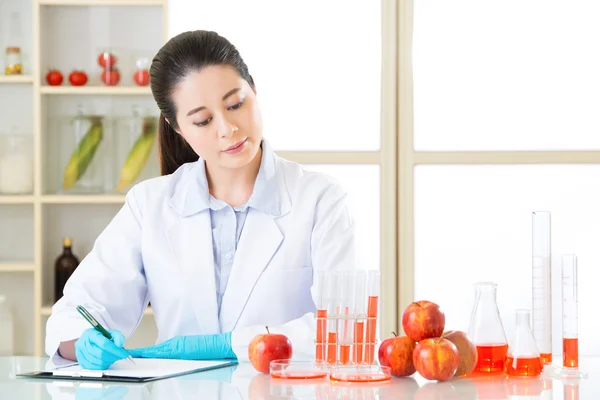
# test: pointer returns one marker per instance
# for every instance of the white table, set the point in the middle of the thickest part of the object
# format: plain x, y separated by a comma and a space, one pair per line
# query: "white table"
242, 382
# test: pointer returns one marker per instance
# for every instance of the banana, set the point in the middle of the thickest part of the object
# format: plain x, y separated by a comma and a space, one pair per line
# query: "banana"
84, 153
138, 155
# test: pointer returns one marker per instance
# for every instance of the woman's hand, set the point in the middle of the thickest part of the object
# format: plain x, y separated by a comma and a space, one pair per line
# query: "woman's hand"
198, 347
94, 351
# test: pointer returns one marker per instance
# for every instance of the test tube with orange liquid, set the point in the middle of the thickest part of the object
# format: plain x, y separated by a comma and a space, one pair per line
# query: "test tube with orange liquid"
360, 316
570, 329
321, 305
333, 298
372, 312
542, 284
345, 325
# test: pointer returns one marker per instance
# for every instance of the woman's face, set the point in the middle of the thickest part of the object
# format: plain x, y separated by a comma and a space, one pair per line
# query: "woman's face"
218, 115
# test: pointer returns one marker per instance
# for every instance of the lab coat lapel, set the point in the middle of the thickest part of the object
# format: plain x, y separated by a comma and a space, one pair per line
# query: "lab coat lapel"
191, 241
258, 243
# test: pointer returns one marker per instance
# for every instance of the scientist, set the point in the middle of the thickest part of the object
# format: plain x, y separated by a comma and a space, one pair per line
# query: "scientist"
225, 242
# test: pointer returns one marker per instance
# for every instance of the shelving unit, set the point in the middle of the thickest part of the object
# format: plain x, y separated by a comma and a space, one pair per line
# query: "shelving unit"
51, 43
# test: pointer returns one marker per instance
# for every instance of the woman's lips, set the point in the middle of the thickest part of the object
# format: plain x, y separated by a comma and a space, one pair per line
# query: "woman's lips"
236, 148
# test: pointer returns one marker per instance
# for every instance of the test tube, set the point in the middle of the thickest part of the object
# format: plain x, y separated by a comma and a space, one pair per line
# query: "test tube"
345, 326
333, 314
569, 312
372, 311
541, 285
321, 305
360, 316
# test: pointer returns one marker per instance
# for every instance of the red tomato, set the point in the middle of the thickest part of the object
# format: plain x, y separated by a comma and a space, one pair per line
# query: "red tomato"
54, 77
107, 59
78, 78
111, 77
141, 77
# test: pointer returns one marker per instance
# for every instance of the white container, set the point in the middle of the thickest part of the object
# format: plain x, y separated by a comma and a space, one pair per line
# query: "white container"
16, 164
6, 329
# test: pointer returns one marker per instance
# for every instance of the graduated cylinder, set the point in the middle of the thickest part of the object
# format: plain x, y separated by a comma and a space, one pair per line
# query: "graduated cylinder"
570, 329
541, 285
347, 314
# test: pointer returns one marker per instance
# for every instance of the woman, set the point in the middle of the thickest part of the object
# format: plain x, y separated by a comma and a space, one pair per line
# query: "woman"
223, 244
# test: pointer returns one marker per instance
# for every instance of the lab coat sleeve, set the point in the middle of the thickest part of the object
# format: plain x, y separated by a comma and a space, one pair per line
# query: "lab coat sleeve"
332, 247
109, 282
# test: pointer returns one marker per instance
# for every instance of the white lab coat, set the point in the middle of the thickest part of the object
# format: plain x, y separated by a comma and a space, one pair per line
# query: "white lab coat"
158, 249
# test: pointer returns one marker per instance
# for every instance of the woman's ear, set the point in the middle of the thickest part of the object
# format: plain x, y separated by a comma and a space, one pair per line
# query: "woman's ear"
176, 130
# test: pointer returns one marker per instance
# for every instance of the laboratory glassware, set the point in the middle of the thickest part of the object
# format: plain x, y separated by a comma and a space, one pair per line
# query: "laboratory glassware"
360, 316
333, 296
569, 311
486, 330
321, 305
373, 279
345, 323
542, 284
523, 357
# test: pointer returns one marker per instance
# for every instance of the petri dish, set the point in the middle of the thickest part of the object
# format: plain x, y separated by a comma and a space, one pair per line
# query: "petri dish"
361, 373
298, 370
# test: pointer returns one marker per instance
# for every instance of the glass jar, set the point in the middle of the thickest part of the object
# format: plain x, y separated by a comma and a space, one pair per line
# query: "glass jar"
16, 164
134, 149
141, 76
83, 165
14, 63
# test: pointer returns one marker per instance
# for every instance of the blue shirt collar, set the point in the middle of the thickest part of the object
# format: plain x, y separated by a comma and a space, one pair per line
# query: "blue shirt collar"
268, 196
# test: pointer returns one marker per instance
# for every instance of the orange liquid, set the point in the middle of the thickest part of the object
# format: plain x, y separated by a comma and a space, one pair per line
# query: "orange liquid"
531, 366
299, 375
331, 348
371, 329
491, 358
357, 378
571, 353
344, 354
546, 358
359, 334
321, 331
570, 392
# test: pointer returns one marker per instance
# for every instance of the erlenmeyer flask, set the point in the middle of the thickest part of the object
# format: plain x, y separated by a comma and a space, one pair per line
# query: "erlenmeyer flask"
523, 356
486, 330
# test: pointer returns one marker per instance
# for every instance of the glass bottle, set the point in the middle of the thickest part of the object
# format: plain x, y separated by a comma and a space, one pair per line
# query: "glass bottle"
486, 330
16, 163
523, 357
83, 162
64, 267
13, 64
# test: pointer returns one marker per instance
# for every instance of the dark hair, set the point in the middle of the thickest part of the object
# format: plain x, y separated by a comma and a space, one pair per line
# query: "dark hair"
183, 54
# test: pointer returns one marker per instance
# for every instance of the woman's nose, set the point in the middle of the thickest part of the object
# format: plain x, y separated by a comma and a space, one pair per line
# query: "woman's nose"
226, 128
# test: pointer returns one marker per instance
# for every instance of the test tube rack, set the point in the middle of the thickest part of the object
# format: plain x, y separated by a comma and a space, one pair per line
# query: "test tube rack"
347, 317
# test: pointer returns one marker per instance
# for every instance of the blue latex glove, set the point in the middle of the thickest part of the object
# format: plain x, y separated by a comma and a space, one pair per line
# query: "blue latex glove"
197, 347
94, 351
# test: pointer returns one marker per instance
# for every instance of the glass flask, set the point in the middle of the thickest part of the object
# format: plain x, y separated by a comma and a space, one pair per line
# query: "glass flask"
523, 357
486, 330
83, 166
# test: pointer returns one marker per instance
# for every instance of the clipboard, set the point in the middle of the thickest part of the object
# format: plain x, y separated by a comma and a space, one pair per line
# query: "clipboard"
145, 370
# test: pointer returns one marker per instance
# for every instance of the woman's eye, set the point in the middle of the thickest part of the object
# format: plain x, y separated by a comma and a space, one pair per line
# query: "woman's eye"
203, 123
236, 106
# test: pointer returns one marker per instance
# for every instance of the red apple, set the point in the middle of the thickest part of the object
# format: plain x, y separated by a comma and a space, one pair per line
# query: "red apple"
467, 351
423, 320
265, 348
396, 352
436, 359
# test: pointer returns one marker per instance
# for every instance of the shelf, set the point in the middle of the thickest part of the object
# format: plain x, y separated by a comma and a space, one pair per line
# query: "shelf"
16, 79
47, 311
15, 199
84, 199
97, 90
17, 267
101, 2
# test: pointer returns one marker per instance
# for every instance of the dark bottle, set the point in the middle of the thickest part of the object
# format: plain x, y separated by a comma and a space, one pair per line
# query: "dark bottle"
63, 268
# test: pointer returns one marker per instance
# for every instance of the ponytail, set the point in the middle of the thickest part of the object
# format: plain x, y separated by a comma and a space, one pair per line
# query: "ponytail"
173, 150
